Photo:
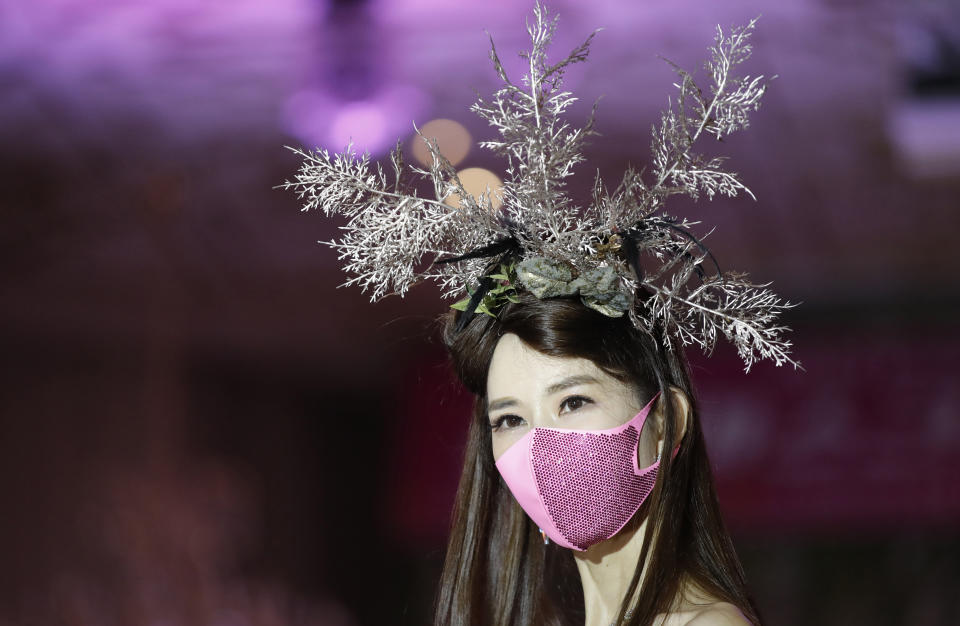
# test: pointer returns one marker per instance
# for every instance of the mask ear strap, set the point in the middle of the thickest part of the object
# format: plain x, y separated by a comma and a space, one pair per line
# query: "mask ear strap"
676, 449
647, 409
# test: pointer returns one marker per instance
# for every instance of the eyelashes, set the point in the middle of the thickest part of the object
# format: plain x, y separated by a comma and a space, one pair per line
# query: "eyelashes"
509, 421
578, 401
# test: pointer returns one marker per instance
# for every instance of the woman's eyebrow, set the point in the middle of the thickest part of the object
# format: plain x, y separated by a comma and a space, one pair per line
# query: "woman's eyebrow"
501, 403
572, 381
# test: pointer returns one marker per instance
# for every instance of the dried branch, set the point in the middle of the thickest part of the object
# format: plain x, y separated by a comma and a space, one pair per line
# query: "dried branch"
620, 245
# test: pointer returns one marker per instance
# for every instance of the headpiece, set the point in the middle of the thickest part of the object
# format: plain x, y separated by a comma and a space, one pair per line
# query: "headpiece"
620, 251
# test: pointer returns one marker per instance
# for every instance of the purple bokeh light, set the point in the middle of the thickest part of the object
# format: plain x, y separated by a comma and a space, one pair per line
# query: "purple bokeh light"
370, 125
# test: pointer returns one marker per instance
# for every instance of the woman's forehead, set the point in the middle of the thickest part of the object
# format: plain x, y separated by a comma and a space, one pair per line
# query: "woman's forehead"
518, 369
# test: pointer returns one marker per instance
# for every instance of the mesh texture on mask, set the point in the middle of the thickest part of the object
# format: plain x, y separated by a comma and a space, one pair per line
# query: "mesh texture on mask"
587, 482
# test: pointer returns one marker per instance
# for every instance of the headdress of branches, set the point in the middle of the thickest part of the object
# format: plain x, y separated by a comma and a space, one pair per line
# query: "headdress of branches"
620, 252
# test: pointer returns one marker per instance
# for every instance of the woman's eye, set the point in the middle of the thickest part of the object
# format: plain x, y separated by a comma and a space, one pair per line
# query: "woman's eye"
574, 402
506, 422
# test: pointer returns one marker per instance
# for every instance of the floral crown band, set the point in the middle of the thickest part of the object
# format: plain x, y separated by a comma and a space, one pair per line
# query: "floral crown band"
621, 253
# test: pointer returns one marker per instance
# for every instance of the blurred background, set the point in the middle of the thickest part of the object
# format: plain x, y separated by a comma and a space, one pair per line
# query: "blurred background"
198, 427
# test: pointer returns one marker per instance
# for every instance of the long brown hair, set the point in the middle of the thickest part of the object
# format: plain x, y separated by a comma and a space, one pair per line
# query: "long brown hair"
497, 570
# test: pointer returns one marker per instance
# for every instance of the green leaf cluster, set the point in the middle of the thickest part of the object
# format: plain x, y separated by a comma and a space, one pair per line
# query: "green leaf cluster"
498, 296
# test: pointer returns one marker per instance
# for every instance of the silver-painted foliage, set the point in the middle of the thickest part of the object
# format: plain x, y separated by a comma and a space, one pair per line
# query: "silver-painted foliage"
643, 259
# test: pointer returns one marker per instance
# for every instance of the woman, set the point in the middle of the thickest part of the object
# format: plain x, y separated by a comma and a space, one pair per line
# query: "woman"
585, 433
673, 563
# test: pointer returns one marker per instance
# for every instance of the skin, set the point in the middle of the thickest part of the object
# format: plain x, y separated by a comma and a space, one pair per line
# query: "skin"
527, 389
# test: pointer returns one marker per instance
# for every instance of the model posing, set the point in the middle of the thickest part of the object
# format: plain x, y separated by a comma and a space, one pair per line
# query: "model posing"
586, 493
556, 364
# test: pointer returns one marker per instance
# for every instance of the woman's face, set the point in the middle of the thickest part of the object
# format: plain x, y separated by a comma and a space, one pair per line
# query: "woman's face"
527, 389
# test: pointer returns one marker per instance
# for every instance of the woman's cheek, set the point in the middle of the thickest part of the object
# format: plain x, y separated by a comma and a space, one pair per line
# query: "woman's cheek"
503, 440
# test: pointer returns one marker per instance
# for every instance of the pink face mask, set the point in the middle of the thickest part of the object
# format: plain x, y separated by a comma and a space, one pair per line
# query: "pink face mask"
580, 486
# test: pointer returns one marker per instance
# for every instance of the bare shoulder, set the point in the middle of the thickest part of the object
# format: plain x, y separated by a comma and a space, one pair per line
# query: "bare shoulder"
718, 614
